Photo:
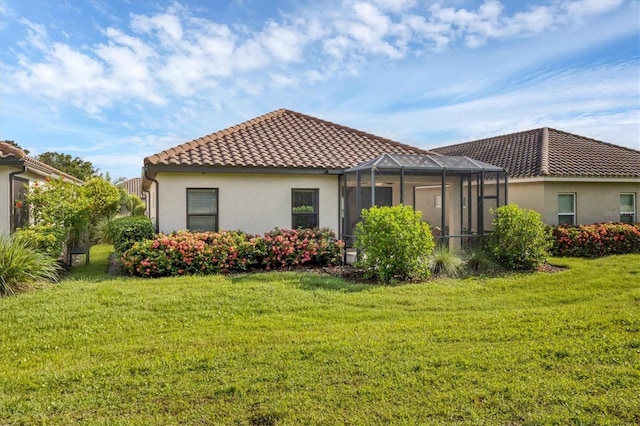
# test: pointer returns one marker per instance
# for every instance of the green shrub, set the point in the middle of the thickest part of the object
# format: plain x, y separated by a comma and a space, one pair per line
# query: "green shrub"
595, 240
394, 243
445, 262
21, 266
127, 230
520, 240
44, 238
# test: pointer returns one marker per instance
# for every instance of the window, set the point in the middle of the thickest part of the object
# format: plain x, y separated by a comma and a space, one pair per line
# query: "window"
628, 208
566, 209
20, 207
304, 208
202, 209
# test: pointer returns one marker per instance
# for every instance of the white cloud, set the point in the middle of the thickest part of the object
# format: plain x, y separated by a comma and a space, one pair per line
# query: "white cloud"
168, 27
284, 43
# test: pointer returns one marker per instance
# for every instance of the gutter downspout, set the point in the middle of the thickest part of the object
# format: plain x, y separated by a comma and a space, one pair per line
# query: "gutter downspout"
11, 195
157, 199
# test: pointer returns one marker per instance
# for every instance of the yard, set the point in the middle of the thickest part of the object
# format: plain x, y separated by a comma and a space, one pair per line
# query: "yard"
298, 348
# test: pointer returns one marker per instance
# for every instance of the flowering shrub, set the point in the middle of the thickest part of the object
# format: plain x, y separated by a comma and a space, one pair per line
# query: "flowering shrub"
188, 253
286, 247
595, 240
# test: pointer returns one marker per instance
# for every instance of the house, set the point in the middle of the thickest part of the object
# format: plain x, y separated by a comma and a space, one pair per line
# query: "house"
17, 172
286, 169
568, 178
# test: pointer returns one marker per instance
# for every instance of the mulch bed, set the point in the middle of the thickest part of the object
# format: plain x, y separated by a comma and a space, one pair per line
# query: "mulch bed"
347, 272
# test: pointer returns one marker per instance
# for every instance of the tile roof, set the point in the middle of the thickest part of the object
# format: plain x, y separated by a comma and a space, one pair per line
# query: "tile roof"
550, 152
282, 139
8, 151
10, 154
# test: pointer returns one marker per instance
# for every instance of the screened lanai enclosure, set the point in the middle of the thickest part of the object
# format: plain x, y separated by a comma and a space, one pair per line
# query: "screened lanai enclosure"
454, 194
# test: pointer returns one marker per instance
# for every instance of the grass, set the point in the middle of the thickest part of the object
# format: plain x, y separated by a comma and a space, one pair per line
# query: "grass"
294, 348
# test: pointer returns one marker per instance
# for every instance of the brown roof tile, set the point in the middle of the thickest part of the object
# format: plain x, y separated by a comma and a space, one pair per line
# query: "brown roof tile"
551, 152
8, 151
14, 155
282, 139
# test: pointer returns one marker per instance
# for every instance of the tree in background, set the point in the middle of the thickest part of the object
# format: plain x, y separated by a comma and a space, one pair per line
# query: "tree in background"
105, 198
73, 166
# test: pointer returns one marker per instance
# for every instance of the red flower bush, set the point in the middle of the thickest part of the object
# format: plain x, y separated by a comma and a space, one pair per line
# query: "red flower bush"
596, 240
190, 253
286, 247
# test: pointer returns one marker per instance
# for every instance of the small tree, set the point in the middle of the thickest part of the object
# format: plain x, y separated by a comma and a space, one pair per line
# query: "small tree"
60, 203
104, 198
520, 240
394, 242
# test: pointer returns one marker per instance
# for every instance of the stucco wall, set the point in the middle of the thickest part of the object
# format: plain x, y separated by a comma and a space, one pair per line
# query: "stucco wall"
5, 202
254, 203
596, 201
529, 195
4, 199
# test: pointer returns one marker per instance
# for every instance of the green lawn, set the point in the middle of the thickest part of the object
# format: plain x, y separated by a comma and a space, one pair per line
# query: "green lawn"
293, 348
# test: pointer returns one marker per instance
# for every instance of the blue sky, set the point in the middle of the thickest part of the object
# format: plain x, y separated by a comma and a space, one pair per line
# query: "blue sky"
114, 81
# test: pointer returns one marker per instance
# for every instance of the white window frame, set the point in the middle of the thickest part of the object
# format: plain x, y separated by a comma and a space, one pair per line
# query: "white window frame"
633, 213
572, 214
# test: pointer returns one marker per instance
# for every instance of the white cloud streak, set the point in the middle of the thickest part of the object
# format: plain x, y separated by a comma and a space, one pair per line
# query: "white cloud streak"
174, 53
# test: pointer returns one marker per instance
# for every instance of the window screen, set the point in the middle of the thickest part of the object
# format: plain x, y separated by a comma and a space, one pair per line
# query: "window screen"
304, 208
202, 209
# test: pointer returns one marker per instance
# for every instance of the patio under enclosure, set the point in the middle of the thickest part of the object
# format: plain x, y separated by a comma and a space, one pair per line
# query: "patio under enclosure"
453, 193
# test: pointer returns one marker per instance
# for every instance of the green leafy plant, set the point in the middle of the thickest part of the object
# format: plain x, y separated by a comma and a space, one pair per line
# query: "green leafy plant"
445, 262
104, 198
21, 266
394, 243
520, 239
47, 239
63, 204
127, 230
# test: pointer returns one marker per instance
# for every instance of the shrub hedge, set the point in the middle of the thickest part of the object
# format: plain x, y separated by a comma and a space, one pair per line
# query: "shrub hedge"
599, 239
188, 253
44, 238
127, 230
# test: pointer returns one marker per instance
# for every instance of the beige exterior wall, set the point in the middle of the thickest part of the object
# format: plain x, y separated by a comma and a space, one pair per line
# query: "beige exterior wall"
528, 195
253, 203
596, 200
5, 191
4, 199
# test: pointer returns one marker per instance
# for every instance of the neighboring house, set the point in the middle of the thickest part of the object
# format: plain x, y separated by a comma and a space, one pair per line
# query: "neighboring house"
566, 177
288, 170
17, 172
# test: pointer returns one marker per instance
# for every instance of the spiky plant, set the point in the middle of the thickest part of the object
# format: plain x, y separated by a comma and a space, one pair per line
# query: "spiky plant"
21, 266
445, 262
480, 260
